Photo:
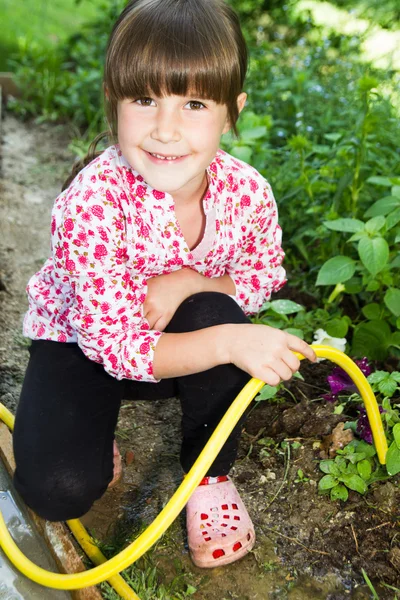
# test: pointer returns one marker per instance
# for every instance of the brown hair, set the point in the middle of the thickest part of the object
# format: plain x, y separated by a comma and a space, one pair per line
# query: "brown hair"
173, 47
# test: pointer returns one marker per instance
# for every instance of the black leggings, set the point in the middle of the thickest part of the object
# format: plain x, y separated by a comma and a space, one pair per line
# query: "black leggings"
68, 411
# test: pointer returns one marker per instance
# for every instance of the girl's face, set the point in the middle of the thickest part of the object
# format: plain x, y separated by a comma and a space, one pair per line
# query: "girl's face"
185, 128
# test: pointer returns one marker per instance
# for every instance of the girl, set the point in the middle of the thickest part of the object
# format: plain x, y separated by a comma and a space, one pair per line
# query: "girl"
162, 246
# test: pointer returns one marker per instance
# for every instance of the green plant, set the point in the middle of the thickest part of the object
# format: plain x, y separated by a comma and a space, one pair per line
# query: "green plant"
301, 478
356, 466
370, 270
351, 469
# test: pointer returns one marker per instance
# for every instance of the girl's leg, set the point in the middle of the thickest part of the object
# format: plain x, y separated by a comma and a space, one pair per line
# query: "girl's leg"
64, 430
206, 396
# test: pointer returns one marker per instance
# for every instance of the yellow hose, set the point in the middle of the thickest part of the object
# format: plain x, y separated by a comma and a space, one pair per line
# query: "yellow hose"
136, 549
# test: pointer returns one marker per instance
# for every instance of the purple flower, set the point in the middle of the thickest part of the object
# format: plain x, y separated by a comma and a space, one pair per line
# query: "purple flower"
363, 426
339, 380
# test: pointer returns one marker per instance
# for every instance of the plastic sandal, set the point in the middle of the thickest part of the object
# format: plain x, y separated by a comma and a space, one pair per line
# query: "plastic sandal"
219, 527
117, 466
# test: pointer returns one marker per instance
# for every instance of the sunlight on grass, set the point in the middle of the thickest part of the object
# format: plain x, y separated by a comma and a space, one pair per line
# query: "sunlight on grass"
381, 47
40, 20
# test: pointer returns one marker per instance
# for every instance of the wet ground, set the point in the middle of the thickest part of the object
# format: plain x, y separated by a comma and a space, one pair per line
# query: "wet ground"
13, 586
307, 546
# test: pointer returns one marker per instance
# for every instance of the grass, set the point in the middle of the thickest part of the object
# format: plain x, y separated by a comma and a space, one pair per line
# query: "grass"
41, 21
158, 575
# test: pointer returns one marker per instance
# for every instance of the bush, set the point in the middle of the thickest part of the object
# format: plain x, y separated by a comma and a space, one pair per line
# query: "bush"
320, 124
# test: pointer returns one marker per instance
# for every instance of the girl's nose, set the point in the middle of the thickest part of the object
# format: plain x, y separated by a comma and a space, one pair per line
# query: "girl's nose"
166, 127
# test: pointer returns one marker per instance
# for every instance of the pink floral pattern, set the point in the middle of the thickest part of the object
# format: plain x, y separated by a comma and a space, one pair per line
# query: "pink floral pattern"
111, 232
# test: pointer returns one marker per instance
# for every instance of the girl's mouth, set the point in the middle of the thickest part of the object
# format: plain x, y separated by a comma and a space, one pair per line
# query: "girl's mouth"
158, 159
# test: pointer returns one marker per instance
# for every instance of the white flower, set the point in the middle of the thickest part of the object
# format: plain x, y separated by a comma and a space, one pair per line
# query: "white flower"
322, 337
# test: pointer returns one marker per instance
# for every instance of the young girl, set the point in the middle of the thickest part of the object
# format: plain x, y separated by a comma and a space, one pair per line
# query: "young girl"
162, 246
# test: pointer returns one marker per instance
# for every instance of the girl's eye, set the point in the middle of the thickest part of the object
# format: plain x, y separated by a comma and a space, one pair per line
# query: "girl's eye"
199, 104
143, 101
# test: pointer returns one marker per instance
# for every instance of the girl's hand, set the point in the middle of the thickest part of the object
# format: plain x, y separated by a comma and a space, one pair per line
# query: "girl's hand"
166, 292
266, 353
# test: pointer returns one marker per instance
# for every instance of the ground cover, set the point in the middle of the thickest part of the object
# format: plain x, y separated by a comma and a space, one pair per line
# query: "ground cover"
40, 22
308, 546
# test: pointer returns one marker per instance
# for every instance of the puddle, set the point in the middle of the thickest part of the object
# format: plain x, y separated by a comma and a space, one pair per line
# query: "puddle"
14, 585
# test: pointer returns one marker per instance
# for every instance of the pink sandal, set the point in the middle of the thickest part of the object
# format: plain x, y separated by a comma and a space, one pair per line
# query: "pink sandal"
117, 466
219, 527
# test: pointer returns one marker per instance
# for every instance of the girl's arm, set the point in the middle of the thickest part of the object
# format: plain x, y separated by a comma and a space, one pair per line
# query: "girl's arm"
264, 352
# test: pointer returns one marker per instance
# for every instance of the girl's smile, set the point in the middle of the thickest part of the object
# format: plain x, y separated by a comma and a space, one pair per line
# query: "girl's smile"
160, 159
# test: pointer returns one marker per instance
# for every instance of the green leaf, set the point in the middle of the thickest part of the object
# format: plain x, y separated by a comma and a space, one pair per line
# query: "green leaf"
371, 339
242, 153
396, 191
364, 469
327, 482
373, 286
374, 254
265, 306
345, 225
337, 327
339, 492
359, 235
387, 387
267, 392
367, 449
354, 285
383, 206
191, 589
396, 434
333, 137
295, 331
354, 482
375, 224
253, 134
392, 301
377, 376
395, 339
371, 311
336, 270
393, 218
285, 307
392, 459
327, 466
384, 181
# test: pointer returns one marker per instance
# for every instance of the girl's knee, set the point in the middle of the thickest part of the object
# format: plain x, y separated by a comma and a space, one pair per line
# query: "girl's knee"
59, 497
206, 309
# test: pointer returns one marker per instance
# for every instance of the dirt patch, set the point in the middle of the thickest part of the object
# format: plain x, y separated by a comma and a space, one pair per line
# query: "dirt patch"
307, 546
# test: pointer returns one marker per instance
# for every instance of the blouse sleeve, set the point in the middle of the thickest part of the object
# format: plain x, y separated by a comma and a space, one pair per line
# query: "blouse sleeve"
258, 272
105, 298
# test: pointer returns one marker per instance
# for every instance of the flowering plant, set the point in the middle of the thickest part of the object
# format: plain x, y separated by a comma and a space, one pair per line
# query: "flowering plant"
339, 380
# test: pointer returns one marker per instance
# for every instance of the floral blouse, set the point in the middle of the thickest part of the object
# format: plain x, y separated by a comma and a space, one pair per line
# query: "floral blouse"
111, 232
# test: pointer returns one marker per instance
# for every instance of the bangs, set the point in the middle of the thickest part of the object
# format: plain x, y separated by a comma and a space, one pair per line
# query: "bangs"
167, 50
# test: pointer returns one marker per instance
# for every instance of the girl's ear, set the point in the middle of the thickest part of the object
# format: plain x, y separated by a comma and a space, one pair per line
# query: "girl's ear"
105, 91
241, 101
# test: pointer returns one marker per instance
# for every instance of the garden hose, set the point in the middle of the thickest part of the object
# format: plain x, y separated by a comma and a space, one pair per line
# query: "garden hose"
109, 568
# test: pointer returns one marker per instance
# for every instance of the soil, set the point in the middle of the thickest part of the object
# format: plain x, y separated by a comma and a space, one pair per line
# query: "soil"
308, 547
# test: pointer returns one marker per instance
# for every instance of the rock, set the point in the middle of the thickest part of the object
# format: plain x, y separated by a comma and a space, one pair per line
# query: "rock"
321, 422
294, 418
394, 557
386, 496
335, 441
129, 456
